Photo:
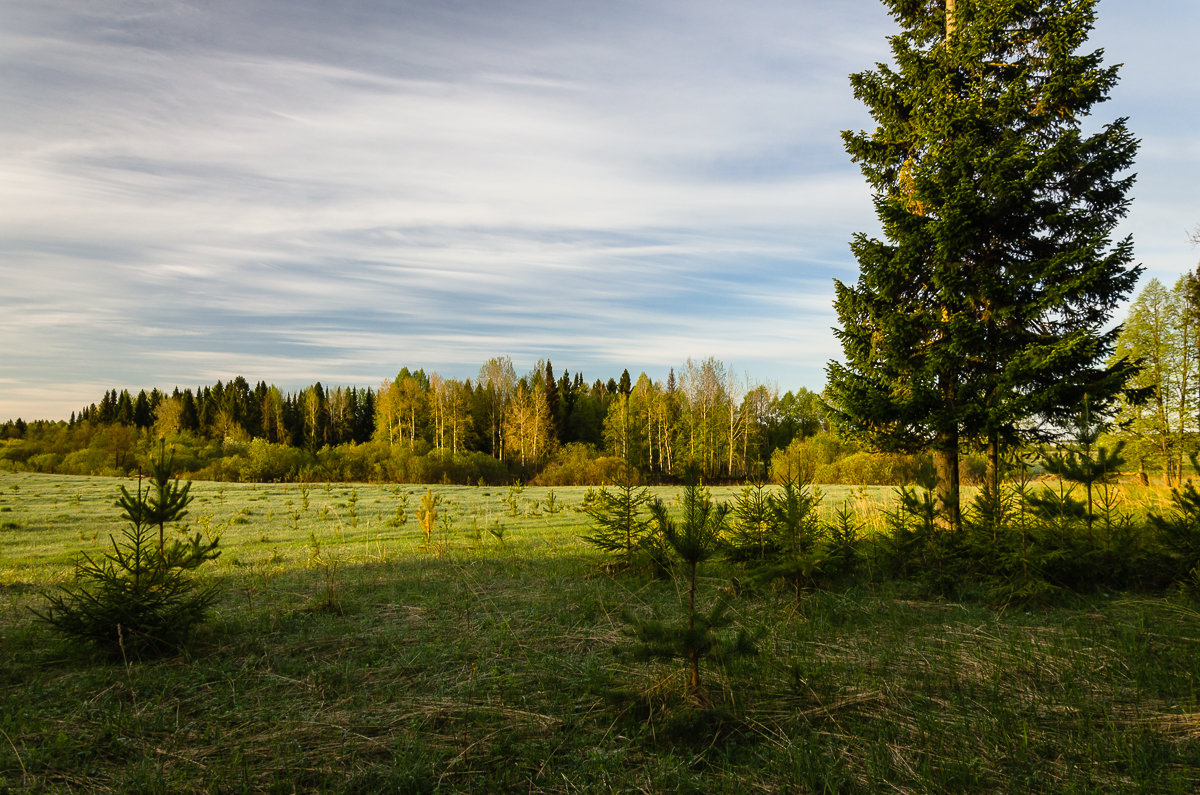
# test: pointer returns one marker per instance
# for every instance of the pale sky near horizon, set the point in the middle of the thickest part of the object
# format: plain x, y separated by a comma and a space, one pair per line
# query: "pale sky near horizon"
311, 191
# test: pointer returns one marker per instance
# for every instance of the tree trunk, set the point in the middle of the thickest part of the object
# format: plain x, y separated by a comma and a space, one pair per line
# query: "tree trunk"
993, 461
945, 466
945, 457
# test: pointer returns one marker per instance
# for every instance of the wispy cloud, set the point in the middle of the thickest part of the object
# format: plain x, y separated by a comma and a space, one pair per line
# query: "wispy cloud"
302, 190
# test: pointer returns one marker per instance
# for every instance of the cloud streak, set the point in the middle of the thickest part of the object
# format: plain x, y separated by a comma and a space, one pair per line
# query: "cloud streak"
301, 191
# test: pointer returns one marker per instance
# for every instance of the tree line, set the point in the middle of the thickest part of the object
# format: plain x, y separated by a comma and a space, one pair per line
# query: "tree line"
704, 413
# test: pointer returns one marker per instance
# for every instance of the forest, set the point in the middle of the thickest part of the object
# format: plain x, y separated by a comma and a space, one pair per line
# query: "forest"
421, 427
545, 430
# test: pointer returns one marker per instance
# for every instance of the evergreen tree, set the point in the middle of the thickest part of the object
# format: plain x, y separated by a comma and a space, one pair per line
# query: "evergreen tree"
143, 415
206, 410
124, 413
620, 524
982, 314
364, 415
1086, 462
139, 598
694, 538
566, 402
552, 400
189, 417
107, 409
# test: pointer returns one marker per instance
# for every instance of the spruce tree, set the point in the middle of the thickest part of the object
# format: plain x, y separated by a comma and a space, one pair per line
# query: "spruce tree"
1087, 462
552, 400
980, 318
695, 538
139, 598
621, 524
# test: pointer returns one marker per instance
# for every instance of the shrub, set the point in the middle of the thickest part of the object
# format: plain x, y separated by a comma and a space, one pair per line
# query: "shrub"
51, 462
802, 459
877, 469
266, 462
578, 464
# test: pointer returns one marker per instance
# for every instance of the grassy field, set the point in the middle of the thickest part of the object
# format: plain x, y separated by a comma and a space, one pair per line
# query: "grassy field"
347, 653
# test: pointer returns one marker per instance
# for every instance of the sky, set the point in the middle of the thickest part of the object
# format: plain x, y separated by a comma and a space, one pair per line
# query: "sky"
301, 190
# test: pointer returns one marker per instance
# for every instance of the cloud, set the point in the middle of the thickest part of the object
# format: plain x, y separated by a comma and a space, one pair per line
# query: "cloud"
303, 190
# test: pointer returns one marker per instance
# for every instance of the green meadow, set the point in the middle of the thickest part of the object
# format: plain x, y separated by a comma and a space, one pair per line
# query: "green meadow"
350, 652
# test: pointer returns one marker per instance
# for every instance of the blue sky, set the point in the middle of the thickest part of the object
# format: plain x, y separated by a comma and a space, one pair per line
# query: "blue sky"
299, 190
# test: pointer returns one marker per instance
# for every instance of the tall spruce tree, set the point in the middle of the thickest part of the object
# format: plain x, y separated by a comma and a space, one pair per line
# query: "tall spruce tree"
980, 318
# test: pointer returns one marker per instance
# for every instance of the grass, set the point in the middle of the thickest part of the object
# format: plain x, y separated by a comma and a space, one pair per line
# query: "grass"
348, 655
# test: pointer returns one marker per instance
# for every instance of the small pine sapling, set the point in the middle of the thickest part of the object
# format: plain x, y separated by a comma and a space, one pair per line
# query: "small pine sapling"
750, 537
1065, 555
619, 523
513, 500
843, 556
910, 529
792, 517
918, 541
401, 516
139, 598
996, 505
165, 499
1179, 532
694, 539
1085, 462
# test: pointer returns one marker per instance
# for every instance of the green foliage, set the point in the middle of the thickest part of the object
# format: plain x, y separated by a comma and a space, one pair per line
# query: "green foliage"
621, 524
1161, 333
401, 516
778, 535
697, 536
914, 545
704, 636
843, 555
694, 539
984, 307
578, 464
1179, 530
513, 498
751, 537
140, 598
797, 557
1085, 462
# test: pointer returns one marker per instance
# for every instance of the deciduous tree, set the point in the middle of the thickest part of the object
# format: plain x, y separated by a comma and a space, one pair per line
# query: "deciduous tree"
1159, 334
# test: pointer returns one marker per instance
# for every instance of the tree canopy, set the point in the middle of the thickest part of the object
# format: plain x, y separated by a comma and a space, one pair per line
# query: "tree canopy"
979, 317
